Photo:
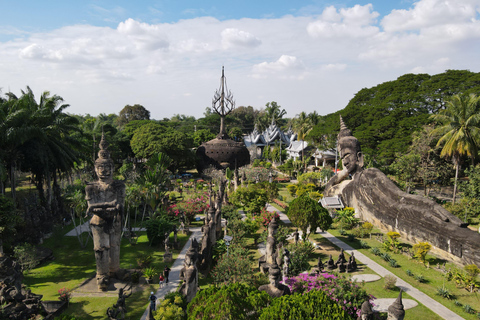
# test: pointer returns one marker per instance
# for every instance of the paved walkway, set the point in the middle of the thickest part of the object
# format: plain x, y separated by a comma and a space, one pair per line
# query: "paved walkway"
174, 276
86, 228
428, 302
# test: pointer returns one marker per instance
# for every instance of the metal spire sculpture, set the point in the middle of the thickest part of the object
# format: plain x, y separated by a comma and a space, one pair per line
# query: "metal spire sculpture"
223, 104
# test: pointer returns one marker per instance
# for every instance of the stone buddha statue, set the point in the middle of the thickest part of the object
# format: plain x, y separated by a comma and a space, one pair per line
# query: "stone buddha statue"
378, 200
270, 251
105, 198
274, 289
189, 274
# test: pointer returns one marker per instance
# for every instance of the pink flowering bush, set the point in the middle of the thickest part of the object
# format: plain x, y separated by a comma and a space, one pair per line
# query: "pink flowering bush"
346, 293
65, 294
265, 217
191, 206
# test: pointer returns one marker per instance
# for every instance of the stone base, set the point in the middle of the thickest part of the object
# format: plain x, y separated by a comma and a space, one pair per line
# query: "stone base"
167, 257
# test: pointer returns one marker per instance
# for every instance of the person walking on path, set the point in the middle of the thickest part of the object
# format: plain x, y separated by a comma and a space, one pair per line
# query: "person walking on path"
161, 282
153, 300
166, 272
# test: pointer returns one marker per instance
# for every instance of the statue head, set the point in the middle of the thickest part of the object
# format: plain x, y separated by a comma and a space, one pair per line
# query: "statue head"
104, 165
272, 227
396, 310
349, 148
366, 310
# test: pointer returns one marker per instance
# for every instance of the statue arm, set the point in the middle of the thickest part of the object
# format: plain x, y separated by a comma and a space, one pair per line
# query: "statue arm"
336, 179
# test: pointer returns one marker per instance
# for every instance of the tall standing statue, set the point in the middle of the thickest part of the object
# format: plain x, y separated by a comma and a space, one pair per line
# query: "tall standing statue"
189, 274
377, 199
105, 199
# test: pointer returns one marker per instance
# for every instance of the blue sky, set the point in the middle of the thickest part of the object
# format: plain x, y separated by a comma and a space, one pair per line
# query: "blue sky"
167, 55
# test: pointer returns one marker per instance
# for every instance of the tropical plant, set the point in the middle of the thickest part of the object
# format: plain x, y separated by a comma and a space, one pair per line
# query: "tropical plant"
346, 218
171, 307
302, 125
460, 129
299, 255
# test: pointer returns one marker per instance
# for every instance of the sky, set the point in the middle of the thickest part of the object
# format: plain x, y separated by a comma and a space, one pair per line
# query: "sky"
307, 55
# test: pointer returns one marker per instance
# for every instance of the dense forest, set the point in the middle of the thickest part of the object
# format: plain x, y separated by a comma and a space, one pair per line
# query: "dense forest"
384, 117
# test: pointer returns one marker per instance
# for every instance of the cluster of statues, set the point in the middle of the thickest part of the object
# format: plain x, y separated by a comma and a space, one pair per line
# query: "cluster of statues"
17, 302
342, 264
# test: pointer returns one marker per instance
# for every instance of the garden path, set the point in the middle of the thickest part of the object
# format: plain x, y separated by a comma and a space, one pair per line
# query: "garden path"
428, 302
174, 277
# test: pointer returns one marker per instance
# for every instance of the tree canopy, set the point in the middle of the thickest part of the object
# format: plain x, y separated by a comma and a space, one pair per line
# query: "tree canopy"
383, 117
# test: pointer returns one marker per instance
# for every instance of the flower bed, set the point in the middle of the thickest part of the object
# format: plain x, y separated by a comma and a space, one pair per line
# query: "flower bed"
280, 203
338, 288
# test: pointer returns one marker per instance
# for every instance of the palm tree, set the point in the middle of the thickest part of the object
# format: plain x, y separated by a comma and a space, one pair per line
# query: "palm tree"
302, 125
460, 129
15, 129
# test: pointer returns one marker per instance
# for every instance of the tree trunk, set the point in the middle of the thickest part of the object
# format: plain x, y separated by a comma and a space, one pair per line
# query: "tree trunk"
12, 181
49, 190
457, 164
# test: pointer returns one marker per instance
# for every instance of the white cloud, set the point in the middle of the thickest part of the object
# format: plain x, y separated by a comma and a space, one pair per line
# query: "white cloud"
339, 52
286, 66
430, 13
232, 37
355, 22
334, 67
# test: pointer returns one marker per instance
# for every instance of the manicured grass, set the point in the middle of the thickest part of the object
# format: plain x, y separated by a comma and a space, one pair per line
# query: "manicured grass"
435, 278
73, 265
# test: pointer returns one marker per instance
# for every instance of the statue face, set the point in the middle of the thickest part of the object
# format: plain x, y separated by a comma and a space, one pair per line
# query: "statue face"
350, 158
104, 171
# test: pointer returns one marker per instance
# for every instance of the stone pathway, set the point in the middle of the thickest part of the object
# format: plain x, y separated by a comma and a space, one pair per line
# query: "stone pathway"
174, 277
428, 302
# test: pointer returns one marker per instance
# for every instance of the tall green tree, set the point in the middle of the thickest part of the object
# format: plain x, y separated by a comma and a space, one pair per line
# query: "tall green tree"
130, 113
459, 125
273, 113
302, 124
308, 214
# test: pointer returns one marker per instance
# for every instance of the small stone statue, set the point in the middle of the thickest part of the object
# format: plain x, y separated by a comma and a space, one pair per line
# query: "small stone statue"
331, 264
320, 265
167, 242
175, 241
105, 199
341, 258
366, 312
342, 267
119, 309
274, 289
296, 236
396, 310
286, 263
352, 264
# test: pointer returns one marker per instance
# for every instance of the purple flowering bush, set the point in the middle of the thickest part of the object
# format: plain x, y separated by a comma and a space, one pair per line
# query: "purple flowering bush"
350, 295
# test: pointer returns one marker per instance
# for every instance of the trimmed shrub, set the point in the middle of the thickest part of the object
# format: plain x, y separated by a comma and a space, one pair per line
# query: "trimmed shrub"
389, 282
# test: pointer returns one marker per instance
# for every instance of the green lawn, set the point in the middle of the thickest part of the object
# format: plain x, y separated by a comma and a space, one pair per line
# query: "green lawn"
434, 278
73, 265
